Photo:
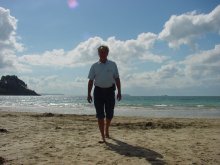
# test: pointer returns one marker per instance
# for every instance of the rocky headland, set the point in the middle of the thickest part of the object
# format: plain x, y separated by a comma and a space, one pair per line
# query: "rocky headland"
12, 85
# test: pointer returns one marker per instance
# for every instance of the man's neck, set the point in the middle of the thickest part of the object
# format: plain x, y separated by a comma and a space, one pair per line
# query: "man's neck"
103, 61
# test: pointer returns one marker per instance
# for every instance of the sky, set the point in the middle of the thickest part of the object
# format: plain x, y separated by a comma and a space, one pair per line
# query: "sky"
161, 47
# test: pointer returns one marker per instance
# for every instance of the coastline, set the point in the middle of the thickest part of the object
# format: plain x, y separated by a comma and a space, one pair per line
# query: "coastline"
155, 112
47, 138
141, 106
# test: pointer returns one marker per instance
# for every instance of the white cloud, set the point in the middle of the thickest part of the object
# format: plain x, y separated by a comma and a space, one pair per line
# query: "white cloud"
204, 65
153, 58
82, 55
45, 84
196, 70
8, 41
167, 76
57, 84
127, 51
183, 29
48, 58
7, 23
86, 52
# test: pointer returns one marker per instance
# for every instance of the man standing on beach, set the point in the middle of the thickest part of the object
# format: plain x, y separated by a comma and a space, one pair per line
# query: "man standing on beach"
104, 75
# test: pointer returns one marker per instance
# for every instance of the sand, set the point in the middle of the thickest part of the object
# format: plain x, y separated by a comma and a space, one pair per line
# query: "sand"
30, 138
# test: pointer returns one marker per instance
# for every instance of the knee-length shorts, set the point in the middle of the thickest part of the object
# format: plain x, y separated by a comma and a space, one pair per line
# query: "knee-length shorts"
104, 101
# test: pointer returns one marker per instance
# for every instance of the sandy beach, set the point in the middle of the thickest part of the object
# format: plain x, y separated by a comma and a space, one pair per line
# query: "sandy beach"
34, 138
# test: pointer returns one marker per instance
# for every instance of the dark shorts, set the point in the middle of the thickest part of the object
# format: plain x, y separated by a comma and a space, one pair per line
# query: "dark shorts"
104, 100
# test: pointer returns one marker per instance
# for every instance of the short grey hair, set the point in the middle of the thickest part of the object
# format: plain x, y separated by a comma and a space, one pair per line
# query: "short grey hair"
103, 47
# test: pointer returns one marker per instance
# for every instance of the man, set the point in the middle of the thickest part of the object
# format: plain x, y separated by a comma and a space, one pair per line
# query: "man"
104, 75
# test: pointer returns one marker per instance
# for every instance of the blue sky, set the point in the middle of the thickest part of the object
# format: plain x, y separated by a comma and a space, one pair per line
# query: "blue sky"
161, 47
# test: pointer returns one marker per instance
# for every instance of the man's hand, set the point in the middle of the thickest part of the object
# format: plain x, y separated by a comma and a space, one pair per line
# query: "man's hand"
119, 96
118, 84
89, 98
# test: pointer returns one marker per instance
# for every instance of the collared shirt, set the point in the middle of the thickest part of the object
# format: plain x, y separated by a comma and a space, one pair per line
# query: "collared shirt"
104, 74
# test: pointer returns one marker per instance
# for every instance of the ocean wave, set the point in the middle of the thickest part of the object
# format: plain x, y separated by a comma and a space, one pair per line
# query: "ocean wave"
200, 105
160, 105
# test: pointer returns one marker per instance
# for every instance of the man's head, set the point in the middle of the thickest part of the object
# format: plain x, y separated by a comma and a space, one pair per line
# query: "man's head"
103, 48
103, 52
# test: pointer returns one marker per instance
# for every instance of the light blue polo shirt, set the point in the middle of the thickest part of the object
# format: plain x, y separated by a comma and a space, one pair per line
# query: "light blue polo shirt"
104, 74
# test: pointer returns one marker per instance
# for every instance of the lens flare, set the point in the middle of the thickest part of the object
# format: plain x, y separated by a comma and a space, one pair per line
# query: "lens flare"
72, 4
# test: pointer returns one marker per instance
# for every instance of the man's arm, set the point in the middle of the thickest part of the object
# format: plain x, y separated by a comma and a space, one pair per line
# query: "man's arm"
90, 85
118, 84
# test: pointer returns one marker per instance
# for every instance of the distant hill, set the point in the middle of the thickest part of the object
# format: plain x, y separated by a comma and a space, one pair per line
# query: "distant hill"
12, 85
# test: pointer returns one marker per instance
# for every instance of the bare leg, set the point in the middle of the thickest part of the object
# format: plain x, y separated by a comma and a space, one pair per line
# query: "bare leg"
101, 123
108, 122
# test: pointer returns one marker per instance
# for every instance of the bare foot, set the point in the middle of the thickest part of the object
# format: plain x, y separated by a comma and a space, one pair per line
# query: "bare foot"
107, 135
102, 141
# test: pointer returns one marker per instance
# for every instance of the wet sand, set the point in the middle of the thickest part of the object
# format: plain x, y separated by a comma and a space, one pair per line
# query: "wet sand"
31, 138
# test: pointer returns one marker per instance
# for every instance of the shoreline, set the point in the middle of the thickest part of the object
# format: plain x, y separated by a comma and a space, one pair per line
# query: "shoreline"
124, 111
47, 138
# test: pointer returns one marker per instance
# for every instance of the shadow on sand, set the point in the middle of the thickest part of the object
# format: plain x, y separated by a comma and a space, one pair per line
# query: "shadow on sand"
125, 149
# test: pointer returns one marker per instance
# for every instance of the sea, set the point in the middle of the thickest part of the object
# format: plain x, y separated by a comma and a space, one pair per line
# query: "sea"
144, 106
